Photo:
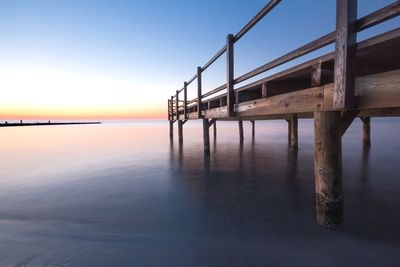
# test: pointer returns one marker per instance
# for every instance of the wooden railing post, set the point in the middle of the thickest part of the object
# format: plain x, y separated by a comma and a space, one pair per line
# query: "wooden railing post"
199, 70
169, 109
230, 75
345, 52
172, 108
185, 111
177, 104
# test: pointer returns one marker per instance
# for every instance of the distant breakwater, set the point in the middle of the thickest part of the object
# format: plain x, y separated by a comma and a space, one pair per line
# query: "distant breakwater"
7, 124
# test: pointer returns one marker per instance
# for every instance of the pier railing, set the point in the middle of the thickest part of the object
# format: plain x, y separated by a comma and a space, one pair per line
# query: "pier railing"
347, 27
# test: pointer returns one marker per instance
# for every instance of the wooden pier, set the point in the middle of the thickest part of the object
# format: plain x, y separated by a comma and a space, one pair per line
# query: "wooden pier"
356, 80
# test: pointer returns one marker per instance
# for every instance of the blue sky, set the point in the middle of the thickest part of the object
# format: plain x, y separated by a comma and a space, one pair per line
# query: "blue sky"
147, 47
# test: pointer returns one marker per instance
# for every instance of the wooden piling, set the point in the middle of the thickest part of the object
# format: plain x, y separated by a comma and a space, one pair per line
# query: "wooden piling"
206, 137
180, 131
366, 131
293, 132
171, 129
241, 131
253, 128
328, 168
215, 130
289, 130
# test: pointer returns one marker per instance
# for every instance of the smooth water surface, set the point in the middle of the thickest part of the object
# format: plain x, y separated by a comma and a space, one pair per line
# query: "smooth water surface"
120, 194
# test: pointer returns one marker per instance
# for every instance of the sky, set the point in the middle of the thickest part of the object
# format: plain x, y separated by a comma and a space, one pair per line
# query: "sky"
119, 59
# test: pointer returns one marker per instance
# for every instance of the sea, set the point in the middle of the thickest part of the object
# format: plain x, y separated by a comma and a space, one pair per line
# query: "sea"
124, 194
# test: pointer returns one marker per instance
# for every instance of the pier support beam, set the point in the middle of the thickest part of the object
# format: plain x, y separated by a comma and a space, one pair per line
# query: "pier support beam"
240, 130
293, 132
206, 137
180, 131
253, 128
366, 131
171, 130
215, 129
328, 168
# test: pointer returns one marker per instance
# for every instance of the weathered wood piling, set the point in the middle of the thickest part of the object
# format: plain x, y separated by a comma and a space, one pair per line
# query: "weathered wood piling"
357, 79
328, 168
366, 131
241, 137
206, 136
294, 139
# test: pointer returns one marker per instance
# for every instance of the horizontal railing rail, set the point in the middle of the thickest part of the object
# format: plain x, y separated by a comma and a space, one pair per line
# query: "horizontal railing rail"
388, 12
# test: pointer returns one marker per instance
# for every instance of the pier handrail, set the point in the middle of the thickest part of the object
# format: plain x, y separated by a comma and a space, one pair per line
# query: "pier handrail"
381, 15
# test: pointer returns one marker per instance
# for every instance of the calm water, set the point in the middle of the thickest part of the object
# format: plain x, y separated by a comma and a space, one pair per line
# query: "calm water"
122, 195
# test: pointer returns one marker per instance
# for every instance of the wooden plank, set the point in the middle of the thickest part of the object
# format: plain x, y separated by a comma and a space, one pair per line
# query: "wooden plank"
270, 5
373, 91
216, 112
215, 58
214, 91
380, 112
346, 40
378, 16
302, 101
192, 79
379, 90
312, 46
230, 75
289, 71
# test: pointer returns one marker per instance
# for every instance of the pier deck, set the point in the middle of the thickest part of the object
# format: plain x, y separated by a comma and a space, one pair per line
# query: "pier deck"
358, 79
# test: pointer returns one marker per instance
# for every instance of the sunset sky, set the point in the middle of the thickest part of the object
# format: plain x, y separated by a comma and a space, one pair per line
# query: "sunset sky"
122, 59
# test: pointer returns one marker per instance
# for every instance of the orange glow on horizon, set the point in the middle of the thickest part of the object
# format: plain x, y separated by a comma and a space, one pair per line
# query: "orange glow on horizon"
30, 93
81, 115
